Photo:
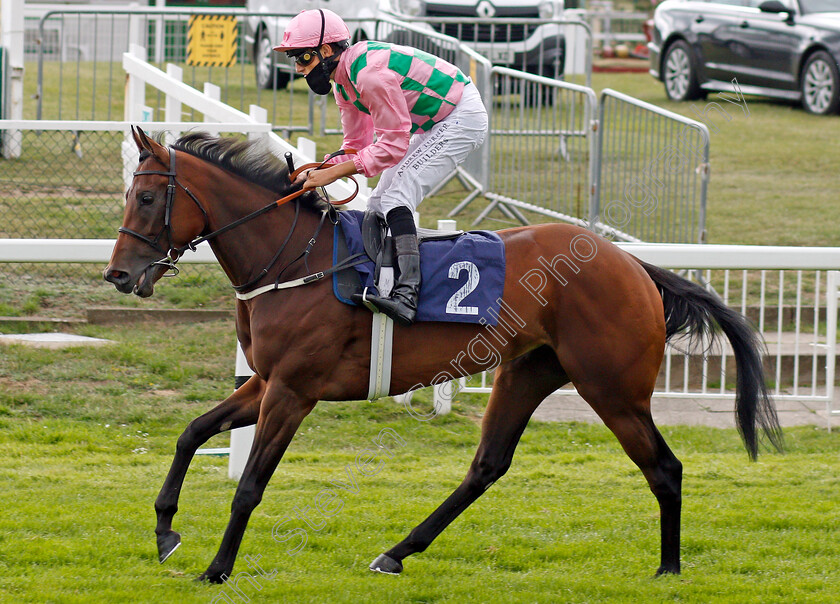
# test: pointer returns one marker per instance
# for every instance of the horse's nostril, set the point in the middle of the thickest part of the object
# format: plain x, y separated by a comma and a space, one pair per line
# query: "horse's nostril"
116, 277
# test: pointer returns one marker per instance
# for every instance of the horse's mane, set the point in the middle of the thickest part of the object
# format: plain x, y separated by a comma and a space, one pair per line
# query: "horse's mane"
249, 159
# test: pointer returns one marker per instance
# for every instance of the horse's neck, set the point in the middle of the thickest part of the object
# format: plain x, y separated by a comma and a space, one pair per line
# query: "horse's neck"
244, 251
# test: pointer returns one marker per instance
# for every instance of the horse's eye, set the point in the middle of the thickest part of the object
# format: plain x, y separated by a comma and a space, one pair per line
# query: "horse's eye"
146, 198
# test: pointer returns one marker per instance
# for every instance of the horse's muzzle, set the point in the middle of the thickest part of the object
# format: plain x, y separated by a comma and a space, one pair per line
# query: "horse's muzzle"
143, 285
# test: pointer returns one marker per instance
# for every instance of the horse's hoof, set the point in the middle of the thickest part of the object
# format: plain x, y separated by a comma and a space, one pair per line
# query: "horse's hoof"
386, 564
209, 576
167, 544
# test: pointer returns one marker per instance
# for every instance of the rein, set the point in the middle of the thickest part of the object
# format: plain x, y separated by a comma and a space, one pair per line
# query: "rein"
173, 254
274, 204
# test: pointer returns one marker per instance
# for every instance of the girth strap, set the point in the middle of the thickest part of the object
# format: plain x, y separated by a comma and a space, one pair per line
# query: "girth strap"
348, 262
381, 348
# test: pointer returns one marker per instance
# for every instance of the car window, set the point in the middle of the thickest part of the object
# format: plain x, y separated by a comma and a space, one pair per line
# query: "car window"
757, 3
820, 6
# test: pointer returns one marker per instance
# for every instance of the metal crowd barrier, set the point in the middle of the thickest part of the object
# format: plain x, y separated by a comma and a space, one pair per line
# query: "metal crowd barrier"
553, 48
543, 155
76, 49
473, 172
552, 152
612, 26
622, 167
654, 172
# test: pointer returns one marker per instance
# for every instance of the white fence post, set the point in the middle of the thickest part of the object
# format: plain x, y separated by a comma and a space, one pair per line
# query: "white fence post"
241, 439
11, 38
135, 100
172, 107
306, 147
160, 36
135, 88
259, 115
135, 31
833, 294
214, 93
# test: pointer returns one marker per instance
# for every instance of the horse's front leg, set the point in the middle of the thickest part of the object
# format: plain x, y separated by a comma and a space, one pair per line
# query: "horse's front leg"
242, 408
281, 413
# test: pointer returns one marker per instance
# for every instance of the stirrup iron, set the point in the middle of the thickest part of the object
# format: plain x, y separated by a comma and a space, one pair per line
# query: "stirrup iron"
368, 304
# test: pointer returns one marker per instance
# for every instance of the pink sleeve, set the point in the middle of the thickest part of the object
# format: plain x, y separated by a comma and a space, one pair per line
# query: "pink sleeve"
357, 127
379, 90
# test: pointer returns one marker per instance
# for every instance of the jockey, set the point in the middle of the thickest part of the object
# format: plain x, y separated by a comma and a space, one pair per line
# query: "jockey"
425, 113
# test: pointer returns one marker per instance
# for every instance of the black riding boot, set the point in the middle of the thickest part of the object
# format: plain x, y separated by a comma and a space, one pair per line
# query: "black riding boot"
401, 306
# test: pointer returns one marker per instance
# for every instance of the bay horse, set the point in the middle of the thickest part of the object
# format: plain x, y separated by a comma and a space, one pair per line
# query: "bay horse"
576, 308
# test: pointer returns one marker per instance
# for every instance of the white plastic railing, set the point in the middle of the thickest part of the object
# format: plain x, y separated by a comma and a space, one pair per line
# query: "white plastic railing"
817, 346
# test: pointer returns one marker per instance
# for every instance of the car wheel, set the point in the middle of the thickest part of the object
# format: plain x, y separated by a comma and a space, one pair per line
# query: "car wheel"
679, 74
269, 75
820, 84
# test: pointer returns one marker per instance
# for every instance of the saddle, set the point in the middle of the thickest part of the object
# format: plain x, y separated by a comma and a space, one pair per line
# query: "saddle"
463, 274
379, 247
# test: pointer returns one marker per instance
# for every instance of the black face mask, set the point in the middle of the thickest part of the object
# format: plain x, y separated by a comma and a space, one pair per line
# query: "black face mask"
319, 78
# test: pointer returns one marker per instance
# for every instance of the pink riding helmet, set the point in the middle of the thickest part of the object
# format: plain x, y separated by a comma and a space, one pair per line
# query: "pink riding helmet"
312, 28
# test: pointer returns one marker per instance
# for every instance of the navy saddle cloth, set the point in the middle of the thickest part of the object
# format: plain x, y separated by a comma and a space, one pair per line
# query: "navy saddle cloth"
463, 278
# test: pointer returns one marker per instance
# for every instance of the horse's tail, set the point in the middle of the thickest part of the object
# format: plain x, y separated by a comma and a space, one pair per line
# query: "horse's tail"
690, 308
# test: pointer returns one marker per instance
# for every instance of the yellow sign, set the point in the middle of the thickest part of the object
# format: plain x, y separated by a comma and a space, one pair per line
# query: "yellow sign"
212, 41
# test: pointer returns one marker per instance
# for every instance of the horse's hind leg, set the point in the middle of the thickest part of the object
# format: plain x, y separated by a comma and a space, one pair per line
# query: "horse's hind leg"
643, 443
519, 386
242, 408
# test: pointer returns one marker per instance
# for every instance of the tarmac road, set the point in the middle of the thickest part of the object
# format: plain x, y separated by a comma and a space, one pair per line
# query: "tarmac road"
717, 413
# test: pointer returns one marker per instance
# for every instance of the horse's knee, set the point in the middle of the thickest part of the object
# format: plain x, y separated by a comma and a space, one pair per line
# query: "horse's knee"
674, 468
188, 441
165, 505
667, 482
245, 500
484, 472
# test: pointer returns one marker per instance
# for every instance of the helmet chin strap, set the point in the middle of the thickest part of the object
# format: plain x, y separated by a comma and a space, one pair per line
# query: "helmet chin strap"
323, 29
322, 59
321, 37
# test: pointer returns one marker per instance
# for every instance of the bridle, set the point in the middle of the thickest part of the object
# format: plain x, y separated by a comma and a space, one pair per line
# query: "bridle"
173, 254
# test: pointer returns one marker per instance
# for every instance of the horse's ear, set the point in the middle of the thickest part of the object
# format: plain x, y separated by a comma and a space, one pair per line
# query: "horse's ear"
144, 143
140, 138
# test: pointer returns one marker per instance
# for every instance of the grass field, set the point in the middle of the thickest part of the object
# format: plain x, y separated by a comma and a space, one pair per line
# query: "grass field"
87, 436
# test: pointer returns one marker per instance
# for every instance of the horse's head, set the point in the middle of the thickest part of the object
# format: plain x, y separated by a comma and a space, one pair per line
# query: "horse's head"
161, 218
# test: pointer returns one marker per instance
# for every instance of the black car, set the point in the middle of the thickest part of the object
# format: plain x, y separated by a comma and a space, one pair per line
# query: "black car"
787, 49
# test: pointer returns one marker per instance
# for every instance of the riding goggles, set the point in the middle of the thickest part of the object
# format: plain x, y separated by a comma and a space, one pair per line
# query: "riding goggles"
302, 57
